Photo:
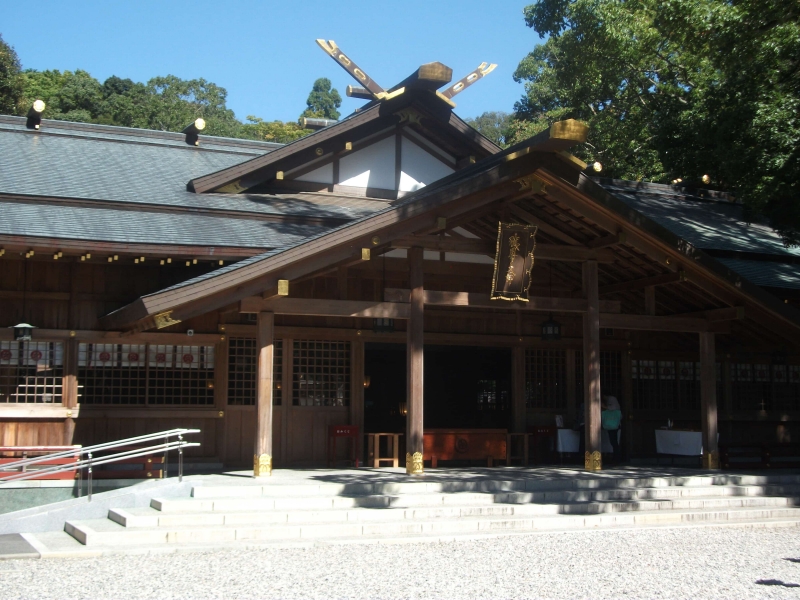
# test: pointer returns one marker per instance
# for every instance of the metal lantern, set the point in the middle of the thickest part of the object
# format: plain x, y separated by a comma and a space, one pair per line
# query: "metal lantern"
383, 325
551, 329
22, 332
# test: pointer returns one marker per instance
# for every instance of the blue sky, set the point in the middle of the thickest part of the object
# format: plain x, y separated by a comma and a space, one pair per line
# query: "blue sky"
264, 53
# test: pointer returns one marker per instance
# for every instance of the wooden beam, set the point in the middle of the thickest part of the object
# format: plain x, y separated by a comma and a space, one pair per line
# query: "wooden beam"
486, 247
731, 313
543, 226
591, 369
638, 284
606, 241
414, 365
430, 76
476, 300
265, 334
651, 323
650, 300
365, 309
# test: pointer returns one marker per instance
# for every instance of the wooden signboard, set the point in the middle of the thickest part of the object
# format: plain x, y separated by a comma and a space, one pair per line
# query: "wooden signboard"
513, 261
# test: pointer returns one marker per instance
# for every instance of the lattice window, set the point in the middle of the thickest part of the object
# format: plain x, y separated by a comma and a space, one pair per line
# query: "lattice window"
689, 385
764, 387
145, 374
112, 373
545, 378
242, 360
321, 373
31, 372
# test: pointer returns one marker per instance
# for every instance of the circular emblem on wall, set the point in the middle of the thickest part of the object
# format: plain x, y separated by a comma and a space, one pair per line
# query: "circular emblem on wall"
666, 371
647, 371
762, 374
188, 359
133, 357
161, 357
5, 355
36, 355
462, 445
778, 374
104, 356
684, 372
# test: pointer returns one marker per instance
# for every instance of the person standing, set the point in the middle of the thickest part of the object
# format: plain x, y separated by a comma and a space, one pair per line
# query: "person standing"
610, 420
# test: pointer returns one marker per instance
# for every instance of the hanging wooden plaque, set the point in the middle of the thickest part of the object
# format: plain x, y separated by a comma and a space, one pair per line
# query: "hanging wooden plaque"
513, 261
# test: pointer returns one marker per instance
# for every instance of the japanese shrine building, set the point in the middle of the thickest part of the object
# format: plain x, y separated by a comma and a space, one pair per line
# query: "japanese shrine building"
262, 293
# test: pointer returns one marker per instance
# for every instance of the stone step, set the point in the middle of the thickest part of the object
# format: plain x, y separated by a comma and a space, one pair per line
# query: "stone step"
253, 489
322, 502
105, 532
150, 517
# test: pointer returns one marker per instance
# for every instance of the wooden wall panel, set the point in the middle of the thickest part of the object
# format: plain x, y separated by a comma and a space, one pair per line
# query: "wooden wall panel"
240, 431
308, 434
32, 433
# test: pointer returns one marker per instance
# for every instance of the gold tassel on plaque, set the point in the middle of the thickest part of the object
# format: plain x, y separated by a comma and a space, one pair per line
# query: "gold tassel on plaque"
711, 460
414, 464
593, 461
262, 465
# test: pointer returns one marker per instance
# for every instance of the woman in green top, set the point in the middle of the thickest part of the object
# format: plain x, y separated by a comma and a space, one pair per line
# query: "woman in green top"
610, 419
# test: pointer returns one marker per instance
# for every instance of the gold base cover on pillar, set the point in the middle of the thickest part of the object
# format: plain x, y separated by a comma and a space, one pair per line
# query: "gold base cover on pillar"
262, 465
414, 464
711, 460
593, 461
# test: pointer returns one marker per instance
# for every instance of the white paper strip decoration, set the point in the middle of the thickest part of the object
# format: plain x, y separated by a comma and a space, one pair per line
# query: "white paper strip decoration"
9, 353
133, 355
187, 357
160, 356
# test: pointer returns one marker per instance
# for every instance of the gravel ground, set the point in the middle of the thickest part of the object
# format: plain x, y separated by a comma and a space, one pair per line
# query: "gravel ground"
664, 563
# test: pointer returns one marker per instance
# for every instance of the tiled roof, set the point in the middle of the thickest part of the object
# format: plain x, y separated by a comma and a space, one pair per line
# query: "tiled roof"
119, 167
766, 273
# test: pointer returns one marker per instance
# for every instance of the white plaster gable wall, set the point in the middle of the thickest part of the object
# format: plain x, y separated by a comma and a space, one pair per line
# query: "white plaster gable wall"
322, 175
371, 167
418, 167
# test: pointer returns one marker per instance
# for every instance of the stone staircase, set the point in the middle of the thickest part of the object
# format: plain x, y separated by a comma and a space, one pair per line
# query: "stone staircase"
383, 511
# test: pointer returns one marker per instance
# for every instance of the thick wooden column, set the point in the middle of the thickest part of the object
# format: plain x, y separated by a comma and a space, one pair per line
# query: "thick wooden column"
708, 400
357, 380
265, 333
69, 389
591, 368
518, 408
414, 365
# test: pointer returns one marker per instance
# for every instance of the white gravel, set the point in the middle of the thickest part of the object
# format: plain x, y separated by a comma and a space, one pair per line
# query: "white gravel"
702, 562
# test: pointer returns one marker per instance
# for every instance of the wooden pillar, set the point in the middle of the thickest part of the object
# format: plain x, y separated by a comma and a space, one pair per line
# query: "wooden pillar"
627, 404
357, 393
69, 389
571, 388
265, 333
221, 396
518, 408
414, 365
708, 400
591, 368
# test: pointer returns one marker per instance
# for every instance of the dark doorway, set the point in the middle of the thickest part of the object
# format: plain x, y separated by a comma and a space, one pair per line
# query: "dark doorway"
465, 387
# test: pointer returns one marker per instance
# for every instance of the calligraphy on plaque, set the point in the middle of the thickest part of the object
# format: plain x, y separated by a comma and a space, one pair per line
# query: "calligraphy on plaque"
513, 261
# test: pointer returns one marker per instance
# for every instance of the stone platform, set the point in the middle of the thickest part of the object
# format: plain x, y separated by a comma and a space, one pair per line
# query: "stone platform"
307, 507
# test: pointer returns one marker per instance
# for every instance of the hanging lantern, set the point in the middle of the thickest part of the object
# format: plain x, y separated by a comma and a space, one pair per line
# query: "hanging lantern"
551, 329
383, 325
22, 332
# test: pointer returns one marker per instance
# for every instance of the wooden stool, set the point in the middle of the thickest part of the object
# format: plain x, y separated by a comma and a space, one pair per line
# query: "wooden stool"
374, 449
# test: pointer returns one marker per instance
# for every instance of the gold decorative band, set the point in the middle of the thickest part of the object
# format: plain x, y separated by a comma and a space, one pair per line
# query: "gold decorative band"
414, 463
593, 461
262, 465
711, 460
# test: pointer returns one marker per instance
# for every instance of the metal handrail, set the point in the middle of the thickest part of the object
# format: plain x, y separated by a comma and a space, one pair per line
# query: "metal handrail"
98, 447
91, 462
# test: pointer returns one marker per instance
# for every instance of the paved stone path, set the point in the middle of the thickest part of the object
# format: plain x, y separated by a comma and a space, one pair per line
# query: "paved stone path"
699, 562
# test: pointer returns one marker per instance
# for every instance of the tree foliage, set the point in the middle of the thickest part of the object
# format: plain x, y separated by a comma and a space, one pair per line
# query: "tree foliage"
676, 89
495, 125
323, 101
11, 85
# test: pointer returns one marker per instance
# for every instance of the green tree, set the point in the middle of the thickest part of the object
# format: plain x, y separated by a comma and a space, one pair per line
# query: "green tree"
494, 125
323, 101
68, 96
11, 84
272, 131
676, 89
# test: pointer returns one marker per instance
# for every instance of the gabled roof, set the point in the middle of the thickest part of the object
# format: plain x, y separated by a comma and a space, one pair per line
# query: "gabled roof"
430, 114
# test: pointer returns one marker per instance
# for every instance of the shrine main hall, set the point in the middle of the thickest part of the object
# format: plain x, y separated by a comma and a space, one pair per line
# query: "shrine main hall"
393, 272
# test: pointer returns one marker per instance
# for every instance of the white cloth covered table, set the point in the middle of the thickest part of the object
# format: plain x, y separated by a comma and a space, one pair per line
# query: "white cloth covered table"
685, 443
568, 440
